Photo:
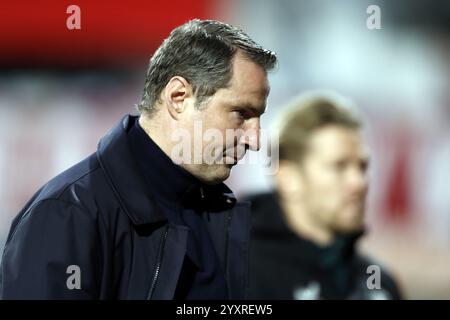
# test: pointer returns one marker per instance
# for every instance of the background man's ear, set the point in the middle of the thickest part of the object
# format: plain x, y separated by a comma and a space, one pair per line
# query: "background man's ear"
176, 95
289, 180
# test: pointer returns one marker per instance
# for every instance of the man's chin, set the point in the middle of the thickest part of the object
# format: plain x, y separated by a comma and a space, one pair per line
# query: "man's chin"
352, 222
352, 226
218, 175
223, 172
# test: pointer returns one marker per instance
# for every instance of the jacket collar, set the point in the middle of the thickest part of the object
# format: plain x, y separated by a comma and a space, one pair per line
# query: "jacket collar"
123, 175
129, 185
270, 225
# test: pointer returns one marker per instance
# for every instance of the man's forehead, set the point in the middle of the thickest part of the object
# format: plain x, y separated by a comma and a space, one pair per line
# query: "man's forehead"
253, 82
338, 140
249, 75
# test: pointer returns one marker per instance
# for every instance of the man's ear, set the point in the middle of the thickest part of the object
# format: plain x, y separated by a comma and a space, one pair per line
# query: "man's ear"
177, 93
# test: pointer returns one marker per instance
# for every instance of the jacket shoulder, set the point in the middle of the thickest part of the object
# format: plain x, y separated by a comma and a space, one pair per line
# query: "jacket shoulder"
56, 187
77, 187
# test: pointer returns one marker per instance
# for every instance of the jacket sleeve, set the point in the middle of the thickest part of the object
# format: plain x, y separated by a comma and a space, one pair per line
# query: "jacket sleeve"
52, 252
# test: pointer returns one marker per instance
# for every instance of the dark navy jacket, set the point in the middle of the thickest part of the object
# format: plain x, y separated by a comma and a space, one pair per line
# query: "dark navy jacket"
306, 271
99, 216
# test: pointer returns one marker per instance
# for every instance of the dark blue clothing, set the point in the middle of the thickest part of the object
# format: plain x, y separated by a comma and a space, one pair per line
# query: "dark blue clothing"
101, 218
181, 196
305, 270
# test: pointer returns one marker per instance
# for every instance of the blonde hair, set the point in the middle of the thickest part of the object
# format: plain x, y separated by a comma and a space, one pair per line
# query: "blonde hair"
308, 113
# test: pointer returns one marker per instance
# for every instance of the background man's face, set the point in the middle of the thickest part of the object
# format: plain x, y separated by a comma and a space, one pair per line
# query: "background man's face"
334, 178
237, 107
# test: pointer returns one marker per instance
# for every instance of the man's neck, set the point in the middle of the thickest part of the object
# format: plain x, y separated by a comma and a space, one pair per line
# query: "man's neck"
300, 222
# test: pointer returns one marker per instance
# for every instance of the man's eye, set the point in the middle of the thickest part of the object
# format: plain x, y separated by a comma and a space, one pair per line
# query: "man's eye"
364, 165
340, 165
240, 114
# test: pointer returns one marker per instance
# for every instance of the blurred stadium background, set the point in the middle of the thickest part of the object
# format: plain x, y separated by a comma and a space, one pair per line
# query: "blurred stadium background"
61, 90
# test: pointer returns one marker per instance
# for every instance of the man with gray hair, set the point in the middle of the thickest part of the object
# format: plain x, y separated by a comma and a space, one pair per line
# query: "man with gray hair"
132, 221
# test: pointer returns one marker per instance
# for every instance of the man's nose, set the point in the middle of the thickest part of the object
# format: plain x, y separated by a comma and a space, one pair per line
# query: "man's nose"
252, 135
358, 181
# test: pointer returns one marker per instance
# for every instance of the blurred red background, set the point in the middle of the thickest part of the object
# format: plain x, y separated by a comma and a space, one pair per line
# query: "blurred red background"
34, 33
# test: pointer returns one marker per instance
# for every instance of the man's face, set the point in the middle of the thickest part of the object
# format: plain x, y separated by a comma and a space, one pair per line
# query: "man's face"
233, 113
334, 179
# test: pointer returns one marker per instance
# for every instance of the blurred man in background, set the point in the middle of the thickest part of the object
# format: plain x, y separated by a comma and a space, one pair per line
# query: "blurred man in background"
304, 236
132, 221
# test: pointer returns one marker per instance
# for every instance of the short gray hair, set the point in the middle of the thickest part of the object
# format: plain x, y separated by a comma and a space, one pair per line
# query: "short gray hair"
201, 51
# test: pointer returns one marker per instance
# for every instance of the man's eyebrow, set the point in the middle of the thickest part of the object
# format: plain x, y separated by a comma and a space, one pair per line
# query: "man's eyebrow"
366, 159
252, 109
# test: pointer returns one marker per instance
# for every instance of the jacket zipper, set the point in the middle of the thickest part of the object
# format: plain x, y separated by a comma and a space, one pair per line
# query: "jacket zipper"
227, 230
227, 236
158, 264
